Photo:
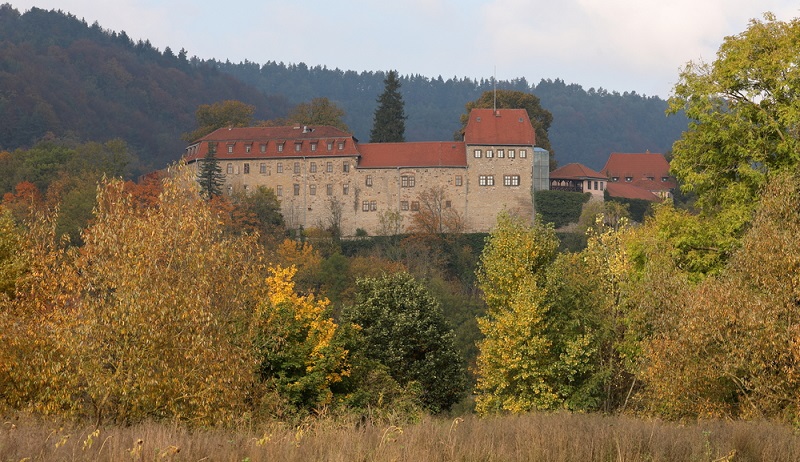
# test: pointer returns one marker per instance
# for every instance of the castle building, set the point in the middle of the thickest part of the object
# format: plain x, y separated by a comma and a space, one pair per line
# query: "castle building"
323, 176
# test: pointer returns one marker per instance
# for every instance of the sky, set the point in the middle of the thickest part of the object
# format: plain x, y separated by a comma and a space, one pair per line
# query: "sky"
618, 45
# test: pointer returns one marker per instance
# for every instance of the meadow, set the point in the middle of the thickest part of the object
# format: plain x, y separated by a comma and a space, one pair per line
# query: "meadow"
559, 437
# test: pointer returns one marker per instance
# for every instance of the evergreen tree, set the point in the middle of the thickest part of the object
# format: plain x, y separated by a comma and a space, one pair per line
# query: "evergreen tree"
389, 124
210, 176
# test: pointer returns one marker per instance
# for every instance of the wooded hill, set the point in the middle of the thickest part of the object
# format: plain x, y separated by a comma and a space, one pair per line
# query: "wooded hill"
62, 76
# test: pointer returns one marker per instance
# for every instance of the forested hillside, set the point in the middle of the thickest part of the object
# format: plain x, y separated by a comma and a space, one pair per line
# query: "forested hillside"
59, 75
62, 76
587, 125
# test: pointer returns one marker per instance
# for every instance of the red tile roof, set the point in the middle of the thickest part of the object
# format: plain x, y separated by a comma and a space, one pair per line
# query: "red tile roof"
501, 127
422, 154
639, 166
575, 171
272, 138
629, 191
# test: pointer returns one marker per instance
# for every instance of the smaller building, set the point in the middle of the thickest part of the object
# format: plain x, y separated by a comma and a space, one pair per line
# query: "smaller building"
578, 178
634, 175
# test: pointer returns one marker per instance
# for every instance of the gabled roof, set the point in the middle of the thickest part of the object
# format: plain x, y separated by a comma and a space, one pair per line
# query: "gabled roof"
500, 127
418, 154
629, 191
575, 171
646, 170
273, 137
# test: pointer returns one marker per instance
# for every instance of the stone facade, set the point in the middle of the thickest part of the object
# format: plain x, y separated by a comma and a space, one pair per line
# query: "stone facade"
324, 176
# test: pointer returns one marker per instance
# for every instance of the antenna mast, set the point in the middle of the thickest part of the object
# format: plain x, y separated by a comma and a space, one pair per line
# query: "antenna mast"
494, 88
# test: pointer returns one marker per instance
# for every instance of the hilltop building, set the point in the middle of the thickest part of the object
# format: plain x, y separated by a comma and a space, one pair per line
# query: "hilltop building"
324, 176
639, 176
578, 178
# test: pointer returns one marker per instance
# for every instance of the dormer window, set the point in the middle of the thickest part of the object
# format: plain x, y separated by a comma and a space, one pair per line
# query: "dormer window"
263, 147
298, 146
341, 145
628, 179
280, 147
247, 147
614, 178
230, 149
330, 145
313, 146
665, 178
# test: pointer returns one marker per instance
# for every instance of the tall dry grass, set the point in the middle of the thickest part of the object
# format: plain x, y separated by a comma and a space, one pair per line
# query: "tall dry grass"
533, 437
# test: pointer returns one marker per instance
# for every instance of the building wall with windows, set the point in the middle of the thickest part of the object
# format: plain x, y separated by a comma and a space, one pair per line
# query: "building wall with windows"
323, 175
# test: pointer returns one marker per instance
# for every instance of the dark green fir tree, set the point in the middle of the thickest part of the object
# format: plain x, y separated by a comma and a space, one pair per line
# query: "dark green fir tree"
210, 176
389, 125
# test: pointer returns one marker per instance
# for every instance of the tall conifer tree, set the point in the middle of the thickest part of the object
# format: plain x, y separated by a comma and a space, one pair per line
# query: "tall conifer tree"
389, 124
210, 176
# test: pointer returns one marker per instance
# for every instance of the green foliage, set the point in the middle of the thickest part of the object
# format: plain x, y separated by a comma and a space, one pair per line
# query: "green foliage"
320, 111
228, 113
210, 174
404, 329
559, 207
744, 120
389, 125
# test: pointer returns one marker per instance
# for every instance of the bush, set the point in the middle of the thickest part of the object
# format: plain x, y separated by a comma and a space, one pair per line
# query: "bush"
559, 207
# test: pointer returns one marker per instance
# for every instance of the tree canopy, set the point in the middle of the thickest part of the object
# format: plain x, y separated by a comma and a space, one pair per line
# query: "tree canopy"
389, 124
229, 113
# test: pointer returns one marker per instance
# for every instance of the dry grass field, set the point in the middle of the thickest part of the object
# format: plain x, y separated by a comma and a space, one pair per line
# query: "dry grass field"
534, 437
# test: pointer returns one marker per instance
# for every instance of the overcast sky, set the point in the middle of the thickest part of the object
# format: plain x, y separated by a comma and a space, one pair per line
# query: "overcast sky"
619, 45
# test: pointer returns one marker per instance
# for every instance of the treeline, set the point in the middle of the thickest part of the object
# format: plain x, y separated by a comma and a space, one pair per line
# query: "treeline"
60, 75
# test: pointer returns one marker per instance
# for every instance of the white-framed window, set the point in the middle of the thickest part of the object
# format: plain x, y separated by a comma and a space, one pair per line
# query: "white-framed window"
341, 145
312, 189
312, 167
330, 145
230, 148
329, 167
459, 180
407, 181
628, 179
477, 153
511, 180
368, 180
329, 189
263, 147
365, 206
510, 153
262, 168
279, 167
489, 153
248, 147
313, 146
297, 168
280, 147
523, 153
485, 180
404, 205
298, 147
279, 190
501, 153
229, 168
373, 206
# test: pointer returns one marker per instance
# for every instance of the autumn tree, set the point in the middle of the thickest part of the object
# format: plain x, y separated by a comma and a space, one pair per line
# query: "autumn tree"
511, 99
145, 317
514, 356
389, 123
435, 214
12, 263
320, 111
404, 329
210, 117
730, 345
